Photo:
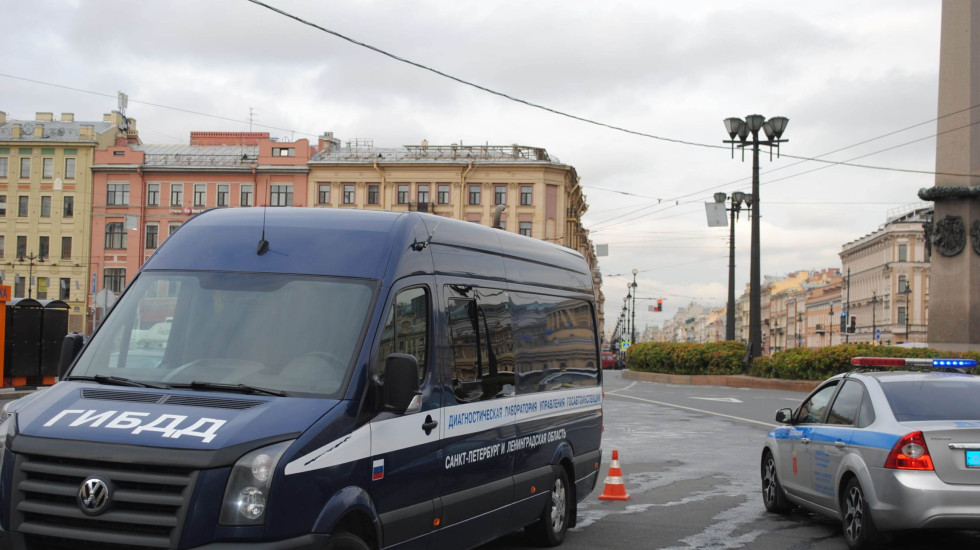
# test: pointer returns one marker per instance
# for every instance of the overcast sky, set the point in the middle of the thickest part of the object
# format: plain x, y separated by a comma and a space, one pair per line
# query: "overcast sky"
843, 72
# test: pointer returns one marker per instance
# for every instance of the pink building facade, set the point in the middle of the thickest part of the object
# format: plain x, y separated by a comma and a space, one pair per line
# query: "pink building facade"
142, 193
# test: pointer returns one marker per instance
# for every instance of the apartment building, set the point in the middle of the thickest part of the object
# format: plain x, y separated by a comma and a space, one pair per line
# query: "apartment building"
45, 204
143, 193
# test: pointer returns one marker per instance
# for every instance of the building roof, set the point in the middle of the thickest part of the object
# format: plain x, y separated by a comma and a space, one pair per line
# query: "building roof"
364, 151
54, 130
199, 155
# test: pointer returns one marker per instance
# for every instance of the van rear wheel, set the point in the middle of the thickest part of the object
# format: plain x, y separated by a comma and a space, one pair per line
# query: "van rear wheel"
345, 541
551, 527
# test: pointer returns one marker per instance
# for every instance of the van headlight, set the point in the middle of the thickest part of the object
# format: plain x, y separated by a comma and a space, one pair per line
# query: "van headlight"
247, 494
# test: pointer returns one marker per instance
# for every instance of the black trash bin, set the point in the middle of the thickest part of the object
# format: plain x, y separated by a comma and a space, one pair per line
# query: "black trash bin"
54, 327
22, 350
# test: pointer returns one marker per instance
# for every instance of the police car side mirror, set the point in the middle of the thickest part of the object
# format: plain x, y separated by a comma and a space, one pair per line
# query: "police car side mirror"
784, 416
70, 346
400, 392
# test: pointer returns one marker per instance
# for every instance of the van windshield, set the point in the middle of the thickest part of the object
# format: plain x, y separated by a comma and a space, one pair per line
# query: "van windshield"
297, 334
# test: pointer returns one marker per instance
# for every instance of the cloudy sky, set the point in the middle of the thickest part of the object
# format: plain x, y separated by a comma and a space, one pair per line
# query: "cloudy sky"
855, 75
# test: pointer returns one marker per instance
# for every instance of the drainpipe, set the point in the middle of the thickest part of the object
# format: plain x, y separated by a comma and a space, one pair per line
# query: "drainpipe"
141, 245
462, 188
384, 184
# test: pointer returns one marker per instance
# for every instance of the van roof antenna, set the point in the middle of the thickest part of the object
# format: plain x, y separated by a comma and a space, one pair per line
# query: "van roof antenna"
418, 246
263, 244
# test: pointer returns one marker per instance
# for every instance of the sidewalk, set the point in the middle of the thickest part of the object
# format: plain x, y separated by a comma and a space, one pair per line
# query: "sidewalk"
733, 381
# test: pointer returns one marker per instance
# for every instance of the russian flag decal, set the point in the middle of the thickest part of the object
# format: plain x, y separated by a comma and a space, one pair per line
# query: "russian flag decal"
379, 470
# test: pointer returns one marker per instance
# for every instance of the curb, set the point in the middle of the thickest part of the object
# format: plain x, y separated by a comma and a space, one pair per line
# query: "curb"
727, 380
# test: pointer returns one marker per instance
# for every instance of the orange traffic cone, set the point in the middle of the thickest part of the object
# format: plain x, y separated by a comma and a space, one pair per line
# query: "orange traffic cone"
615, 489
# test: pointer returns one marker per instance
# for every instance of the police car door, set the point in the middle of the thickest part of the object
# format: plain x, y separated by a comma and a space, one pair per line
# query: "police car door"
476, 483
405, 447
796, 470
832, 440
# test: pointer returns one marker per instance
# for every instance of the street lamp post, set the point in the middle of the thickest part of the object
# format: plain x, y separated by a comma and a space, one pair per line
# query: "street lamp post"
908, 309
30, 271
874, 321
799, 323
773, 128
737, 198
830, 327
633, 322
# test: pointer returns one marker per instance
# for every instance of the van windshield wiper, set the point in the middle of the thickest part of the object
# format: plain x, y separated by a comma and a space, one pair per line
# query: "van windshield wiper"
119, 381
237, 388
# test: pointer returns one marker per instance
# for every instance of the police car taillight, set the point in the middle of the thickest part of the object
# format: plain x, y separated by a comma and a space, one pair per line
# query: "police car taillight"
913, 362
910, 453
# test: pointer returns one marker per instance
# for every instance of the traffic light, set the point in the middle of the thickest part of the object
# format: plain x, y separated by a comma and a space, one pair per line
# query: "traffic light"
853, 328
843, 323
660, 305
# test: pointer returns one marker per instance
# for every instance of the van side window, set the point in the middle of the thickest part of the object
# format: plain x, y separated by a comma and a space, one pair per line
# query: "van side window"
406, 329
555, 342
481, 341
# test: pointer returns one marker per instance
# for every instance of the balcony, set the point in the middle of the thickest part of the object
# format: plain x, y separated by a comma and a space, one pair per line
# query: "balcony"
421, 207
820, 328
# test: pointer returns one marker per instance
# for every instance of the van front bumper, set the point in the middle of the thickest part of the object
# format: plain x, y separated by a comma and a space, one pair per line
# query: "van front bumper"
312, 541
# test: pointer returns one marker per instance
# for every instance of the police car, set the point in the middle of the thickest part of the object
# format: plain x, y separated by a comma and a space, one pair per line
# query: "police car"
882, 450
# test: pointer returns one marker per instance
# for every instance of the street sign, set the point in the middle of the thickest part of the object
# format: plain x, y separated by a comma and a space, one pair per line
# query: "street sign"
878, 334
625, 345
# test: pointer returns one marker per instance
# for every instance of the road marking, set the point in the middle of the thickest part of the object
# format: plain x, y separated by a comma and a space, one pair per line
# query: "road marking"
622, 389
698, 410
719, 399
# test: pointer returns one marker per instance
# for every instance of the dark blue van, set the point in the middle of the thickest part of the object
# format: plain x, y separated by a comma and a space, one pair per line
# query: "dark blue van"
298, 378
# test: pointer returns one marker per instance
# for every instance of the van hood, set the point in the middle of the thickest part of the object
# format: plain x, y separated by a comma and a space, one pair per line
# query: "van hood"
172, 419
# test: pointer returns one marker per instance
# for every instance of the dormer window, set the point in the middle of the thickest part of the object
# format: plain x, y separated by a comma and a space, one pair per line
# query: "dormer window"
284, 151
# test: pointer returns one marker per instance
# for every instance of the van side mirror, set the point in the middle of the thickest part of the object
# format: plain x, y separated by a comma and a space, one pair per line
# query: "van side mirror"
400, 392
70, 346
784, 416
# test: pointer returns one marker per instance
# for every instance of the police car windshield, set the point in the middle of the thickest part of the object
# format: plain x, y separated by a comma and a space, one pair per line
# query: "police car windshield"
941, 397
292, 333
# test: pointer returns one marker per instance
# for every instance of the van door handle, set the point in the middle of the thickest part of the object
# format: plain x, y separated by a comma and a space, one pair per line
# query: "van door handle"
840, 444
429, 424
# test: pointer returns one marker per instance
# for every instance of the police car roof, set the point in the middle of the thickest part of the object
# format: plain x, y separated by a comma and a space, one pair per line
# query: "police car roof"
359, 243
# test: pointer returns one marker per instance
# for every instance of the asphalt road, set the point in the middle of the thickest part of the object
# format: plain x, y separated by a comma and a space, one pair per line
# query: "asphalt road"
690, 457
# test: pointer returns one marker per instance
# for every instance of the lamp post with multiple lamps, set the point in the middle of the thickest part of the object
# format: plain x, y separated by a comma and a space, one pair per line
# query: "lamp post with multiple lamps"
830, 327
747, 132
633, 322
908, 310
874, 320
30, 273
737, 198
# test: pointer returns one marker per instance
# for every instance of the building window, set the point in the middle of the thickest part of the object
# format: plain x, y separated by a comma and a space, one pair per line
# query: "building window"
499, 195
200, 194
152, 236
3, 206
153, 194
66, 248
349, 193
402, 194
19, 285
117, 194
443, 194
114, 279
69, 171
68, 208
42, 288
22, 203
115, 235
524, 228
176, 194
901, 315
423, 194
323, 193
1, 246
246, 195
64, 288
526, 194
281, 195
903, 283
474, 194
283, 152
172, 228
47, 168
45, 206
374, 194
21, 247
223, 192
43, 247
3, 168
903, 252
25, 167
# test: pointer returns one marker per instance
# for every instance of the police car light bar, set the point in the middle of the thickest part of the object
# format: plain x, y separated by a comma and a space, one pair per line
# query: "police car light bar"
916, 362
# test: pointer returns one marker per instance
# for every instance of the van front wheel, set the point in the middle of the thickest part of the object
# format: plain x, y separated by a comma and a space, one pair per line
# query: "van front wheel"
551, 527
345, 541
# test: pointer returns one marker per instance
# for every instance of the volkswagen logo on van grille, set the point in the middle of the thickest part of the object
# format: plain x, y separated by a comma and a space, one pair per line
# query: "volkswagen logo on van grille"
93, 496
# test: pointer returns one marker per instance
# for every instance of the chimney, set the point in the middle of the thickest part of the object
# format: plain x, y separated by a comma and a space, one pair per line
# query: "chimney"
86, 131
39, 131
15, 131
44, 117
67, 117
328, 143
3, 117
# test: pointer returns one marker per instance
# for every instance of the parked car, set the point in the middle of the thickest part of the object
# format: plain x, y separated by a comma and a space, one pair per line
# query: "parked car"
881, 451
608, 360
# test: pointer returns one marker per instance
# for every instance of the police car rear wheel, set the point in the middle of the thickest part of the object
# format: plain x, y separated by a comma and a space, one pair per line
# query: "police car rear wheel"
550, 529
859, 528
772, 492
345, 541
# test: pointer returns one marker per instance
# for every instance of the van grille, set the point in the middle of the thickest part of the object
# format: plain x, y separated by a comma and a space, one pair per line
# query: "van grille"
147, 509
